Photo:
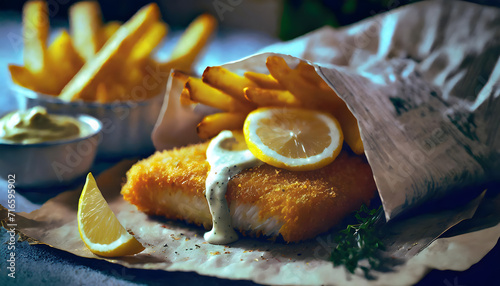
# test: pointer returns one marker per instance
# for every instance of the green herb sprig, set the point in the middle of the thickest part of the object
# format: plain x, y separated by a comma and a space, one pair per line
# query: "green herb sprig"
359, 241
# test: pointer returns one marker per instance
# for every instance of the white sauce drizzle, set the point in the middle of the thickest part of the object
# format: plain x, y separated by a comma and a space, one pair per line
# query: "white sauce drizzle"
225, 162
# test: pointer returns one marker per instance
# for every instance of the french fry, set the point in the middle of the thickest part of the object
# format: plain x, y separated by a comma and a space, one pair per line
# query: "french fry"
63, 60
149, 41
189, 46
204, 93
263, 80
23, 77
109, 29
84, 83
309, 94
62, 63
348, 122
36, 82
192, 42
271, 97
212, 124
227, 81
35, 33
85, 27
185, 97
349, 125
308, 72
313, 92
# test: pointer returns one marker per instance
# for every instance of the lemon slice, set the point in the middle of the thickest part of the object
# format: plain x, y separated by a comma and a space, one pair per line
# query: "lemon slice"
292, 138
99, 228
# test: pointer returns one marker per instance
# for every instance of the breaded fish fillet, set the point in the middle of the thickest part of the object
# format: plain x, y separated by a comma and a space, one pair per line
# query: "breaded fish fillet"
263, 200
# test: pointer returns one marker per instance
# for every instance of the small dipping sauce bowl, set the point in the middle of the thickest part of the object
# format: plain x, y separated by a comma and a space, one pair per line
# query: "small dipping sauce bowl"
51, 163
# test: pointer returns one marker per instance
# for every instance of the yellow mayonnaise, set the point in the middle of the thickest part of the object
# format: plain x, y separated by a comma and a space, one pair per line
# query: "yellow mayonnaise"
35, 125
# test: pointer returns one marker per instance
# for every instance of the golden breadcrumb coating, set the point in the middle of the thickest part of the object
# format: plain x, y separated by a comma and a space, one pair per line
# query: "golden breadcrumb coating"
304, 204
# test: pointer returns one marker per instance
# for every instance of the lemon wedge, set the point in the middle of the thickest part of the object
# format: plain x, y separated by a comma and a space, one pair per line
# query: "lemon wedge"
293, 138
99, 228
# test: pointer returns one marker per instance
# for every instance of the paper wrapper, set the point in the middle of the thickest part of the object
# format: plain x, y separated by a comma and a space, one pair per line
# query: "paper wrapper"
422, 82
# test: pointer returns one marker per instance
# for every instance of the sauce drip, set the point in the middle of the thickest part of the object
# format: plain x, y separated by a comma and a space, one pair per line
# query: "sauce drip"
227, 157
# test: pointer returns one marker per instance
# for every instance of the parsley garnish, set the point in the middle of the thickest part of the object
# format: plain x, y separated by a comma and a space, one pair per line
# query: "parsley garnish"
358, 241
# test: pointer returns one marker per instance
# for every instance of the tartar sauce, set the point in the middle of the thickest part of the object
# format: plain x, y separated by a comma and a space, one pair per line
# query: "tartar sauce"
227, 157
35, 125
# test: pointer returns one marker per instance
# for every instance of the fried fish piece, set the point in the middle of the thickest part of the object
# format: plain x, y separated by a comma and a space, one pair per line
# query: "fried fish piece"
263, 200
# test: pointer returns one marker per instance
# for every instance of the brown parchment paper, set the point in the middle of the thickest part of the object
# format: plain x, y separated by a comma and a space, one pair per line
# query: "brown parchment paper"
403, 55
174, 246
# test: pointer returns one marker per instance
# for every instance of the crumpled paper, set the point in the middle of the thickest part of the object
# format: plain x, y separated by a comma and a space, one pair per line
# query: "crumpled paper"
422, 81
433, 52
174, 246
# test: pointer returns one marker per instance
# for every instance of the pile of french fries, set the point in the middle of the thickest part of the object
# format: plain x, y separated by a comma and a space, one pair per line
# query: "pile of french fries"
237, 95
103, 62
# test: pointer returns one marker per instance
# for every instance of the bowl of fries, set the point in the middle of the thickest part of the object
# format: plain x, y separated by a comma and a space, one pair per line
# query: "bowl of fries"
106, 70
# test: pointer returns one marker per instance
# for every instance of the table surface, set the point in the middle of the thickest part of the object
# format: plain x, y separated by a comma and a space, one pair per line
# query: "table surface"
43, 265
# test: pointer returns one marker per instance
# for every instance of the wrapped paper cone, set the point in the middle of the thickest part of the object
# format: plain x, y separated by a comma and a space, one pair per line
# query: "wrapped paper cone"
421, 81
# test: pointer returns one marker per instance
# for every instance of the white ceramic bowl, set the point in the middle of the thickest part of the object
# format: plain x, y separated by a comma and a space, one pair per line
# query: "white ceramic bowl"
126, 126
50, 164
